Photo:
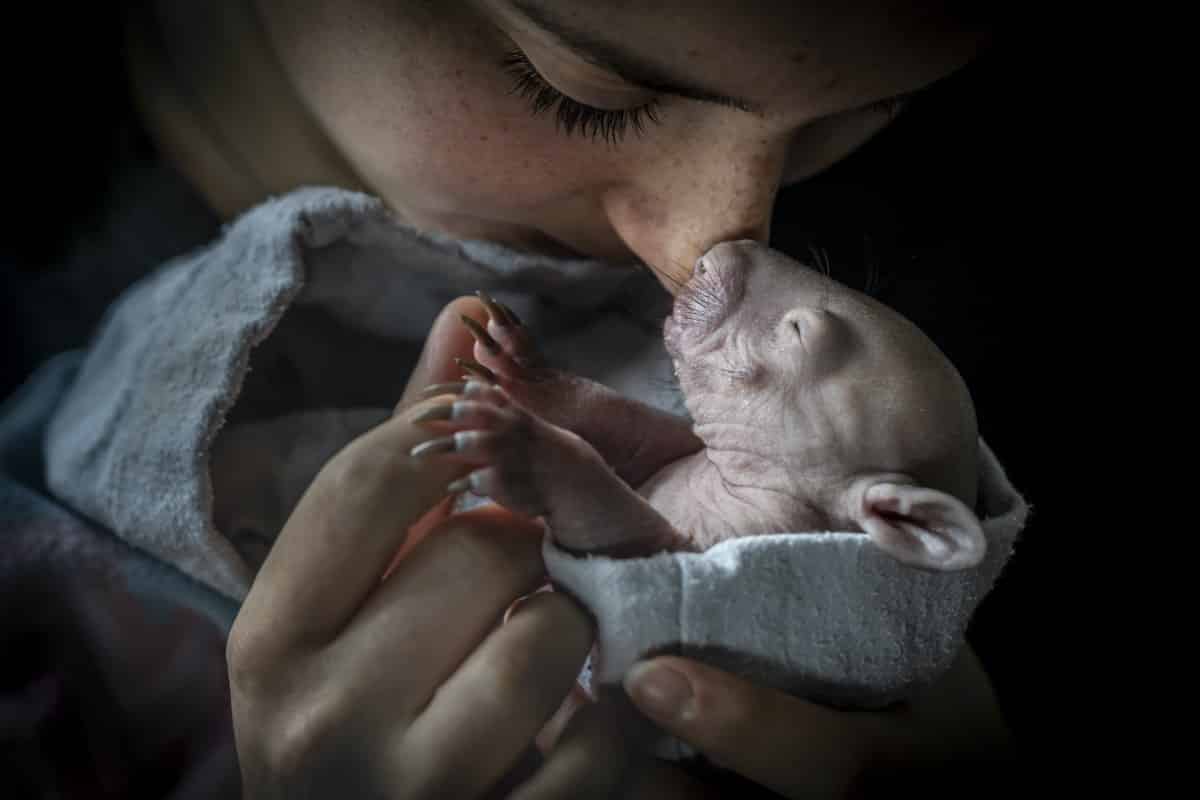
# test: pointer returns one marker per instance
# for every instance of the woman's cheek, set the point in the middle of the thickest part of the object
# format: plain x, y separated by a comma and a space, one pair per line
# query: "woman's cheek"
478, 151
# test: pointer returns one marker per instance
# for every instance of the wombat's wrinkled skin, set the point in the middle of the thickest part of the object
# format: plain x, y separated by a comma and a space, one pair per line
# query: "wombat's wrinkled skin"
814, 408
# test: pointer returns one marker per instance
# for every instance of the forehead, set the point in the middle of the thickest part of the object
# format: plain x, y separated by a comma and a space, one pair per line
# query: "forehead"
782, 55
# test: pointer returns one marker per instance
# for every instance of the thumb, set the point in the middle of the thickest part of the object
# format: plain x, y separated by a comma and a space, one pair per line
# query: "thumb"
448, 338
789, 745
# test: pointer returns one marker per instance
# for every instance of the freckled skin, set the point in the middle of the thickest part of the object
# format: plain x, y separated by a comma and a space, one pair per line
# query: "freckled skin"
800, 389
408, 101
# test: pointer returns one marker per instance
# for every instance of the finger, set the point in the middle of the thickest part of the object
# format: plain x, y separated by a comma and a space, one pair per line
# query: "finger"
449, 388
589, 760
466, 414
419, 530
447, 340
757, 732
493, 706
603, 753
554, 727
438, 604
652, 779
341, 537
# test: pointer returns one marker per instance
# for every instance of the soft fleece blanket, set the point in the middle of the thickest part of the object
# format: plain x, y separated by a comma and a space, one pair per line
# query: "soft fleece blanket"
218, 385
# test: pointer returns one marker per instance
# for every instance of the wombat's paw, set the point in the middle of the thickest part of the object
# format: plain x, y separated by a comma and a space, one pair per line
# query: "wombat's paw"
505, 346
511, 449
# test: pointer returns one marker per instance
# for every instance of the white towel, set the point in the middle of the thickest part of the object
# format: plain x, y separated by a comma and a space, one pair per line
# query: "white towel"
299, 327
218, 385
826, 616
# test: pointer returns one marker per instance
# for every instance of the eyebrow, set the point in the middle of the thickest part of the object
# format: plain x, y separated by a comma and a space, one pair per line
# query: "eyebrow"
631, 67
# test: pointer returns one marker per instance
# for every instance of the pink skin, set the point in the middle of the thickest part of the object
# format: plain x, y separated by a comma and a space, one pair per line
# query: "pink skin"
814, 407
408, 101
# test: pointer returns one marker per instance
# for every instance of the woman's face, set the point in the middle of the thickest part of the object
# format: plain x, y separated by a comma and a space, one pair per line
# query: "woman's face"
698, 113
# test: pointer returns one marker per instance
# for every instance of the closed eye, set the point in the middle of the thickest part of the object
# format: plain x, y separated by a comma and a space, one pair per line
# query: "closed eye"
569, 114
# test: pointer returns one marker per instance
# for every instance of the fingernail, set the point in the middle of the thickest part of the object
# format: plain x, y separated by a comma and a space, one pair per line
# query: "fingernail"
441, 388
660, 691
520, 601
460, 485
440, 411
443, 445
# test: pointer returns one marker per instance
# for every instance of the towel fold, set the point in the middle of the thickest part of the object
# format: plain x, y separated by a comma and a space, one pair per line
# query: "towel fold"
217, 386
304, 320
826, 616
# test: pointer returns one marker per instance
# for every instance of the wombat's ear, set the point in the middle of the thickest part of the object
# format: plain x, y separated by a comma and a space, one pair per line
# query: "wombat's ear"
922, 527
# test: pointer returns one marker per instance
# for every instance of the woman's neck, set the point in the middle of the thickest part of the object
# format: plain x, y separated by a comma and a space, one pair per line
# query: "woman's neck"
216, 102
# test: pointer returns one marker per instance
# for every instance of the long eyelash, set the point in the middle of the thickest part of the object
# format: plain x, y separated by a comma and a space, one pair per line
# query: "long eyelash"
570, 115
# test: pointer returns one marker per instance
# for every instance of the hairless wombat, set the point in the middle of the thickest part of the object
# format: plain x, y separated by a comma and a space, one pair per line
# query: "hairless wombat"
814, 408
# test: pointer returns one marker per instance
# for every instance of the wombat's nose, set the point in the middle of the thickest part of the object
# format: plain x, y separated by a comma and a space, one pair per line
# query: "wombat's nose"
735, 256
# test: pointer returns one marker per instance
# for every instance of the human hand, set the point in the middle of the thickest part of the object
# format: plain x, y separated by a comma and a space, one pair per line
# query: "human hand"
800, 749
770, 744
599, 749
344, 683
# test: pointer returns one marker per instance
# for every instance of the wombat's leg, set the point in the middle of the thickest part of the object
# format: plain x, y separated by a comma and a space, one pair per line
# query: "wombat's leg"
636, 439
534, 467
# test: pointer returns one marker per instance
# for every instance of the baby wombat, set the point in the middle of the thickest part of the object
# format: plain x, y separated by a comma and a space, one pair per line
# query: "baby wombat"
814, 408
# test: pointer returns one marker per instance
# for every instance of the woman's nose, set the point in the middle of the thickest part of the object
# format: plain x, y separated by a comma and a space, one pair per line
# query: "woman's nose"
672, 210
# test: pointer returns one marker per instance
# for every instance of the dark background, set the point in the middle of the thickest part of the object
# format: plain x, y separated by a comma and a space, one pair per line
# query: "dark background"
955, 216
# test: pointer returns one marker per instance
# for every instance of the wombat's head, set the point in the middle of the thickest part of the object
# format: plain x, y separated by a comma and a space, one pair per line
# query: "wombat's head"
816, 392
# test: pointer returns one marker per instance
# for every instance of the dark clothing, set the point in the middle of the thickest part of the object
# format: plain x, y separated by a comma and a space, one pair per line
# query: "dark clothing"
114, 681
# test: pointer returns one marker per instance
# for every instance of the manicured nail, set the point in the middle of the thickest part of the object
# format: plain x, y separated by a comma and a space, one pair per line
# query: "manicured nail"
475, 368
460, 485
516, 604
443, 388
660, 691
442, 445
493, 308
481, 336
440, 411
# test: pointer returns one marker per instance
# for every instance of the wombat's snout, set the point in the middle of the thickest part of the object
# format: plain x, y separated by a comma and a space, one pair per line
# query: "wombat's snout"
736, 256
734, 262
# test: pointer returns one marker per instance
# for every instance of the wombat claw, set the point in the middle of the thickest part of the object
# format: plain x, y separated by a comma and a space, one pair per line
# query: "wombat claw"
475, 368
503, 315
481, 335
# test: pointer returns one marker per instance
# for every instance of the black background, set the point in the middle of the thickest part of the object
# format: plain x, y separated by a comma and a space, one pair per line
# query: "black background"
960, 212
